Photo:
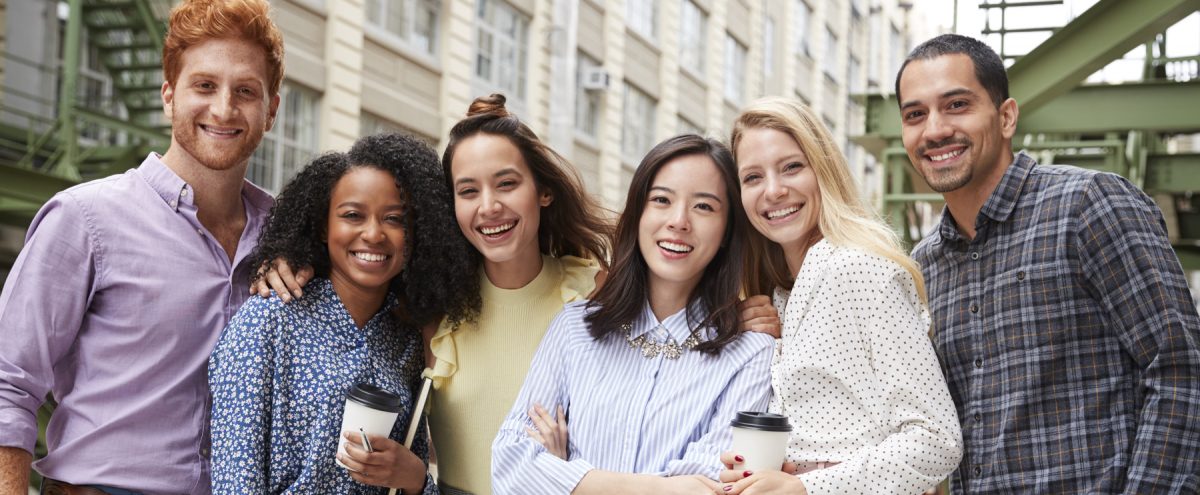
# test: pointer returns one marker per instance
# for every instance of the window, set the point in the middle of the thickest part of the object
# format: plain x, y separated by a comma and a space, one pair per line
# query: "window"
641, 17
898, 53
853, 73
637, 131
829, 64
768, 68
369, 124
587, 101
290, 143
687, 127
501, 36
735, 70
800, 27
415, 22
692, 38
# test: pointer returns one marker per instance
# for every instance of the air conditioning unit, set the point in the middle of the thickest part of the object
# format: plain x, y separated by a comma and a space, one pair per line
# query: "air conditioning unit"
595, 78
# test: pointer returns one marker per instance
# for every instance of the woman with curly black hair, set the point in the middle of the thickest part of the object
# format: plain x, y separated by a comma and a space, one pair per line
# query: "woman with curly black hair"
377, 227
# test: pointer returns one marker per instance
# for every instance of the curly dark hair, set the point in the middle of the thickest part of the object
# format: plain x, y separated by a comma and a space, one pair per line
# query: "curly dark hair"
440, 275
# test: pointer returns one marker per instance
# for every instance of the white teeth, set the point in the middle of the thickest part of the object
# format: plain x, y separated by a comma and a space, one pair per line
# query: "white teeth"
370, 256
674, 246
945, 156
782, 213
229, 132
497, 229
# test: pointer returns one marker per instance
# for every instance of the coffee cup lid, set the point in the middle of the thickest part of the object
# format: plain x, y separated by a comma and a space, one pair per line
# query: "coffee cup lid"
374, 397
761, 421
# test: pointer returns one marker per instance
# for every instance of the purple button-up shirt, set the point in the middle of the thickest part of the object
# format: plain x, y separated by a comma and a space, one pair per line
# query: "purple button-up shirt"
113, 305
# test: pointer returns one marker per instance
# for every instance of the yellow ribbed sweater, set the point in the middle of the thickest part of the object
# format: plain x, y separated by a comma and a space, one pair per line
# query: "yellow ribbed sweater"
480, 367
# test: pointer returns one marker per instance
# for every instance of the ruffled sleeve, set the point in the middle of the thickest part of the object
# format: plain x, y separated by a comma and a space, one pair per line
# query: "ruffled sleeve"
579, 277
445, 354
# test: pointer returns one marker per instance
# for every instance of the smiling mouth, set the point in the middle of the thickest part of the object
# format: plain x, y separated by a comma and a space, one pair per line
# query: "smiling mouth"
782, 212
675, 247
219, 131
497, 230
370, 257
945, 156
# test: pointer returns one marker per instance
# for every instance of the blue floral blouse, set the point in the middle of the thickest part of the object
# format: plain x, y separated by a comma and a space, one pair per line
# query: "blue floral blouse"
279, 377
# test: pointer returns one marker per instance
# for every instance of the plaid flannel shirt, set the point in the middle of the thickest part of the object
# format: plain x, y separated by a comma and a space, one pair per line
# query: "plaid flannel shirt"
1068, 338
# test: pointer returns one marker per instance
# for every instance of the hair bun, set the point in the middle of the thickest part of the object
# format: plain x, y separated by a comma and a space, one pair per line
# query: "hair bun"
491, 104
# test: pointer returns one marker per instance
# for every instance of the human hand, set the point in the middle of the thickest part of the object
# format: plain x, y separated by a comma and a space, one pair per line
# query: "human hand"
758, 315
549, 431
279, 277
389, 464
764, 482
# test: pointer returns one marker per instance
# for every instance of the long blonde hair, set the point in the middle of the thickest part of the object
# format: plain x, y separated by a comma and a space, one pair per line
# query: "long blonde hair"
843, 219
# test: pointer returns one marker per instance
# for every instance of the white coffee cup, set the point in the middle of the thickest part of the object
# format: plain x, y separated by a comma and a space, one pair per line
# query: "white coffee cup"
371, 409
761, 439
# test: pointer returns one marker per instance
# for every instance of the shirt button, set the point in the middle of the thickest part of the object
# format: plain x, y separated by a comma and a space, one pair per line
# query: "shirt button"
1020, 275
975, 255
978, 417
974, 308
174, 203
978, 470
978, 362
204, 452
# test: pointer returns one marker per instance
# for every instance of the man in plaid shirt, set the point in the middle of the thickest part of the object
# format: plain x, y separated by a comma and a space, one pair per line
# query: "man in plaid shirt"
1061, 315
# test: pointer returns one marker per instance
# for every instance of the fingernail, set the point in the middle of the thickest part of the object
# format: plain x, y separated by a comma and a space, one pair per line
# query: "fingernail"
297, 293
747, 473
728, 487
739, 458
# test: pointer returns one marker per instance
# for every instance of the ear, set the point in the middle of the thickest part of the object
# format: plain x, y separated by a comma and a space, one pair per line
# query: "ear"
168, 99
545, 199
271, 112
1008, 118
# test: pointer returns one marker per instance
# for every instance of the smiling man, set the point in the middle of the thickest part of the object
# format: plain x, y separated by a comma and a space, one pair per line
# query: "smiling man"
1061, 315
124, 283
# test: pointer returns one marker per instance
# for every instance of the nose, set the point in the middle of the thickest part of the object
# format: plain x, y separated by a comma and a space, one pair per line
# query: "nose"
222, 107
775, 188
679, 221
491, 203
373, 231
937, 128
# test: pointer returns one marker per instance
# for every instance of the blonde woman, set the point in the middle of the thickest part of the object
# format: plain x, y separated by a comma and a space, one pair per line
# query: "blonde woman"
854, 369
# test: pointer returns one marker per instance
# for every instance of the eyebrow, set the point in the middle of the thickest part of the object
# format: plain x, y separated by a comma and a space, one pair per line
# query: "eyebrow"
712, 196
501, 173
952, 93
356, 204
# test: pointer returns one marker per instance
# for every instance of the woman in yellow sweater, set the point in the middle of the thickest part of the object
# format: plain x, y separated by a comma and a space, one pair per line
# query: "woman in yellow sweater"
542, 242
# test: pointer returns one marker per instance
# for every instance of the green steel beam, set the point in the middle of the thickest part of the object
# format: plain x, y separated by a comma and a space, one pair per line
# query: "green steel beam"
1103, 33
1172, 173
114, 123
1189, 256
1152, 106
30, 186
72, 46
154, 27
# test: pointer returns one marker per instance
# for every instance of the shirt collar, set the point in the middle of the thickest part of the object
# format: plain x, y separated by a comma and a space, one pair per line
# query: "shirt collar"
1001, 203
676, 325
175, 192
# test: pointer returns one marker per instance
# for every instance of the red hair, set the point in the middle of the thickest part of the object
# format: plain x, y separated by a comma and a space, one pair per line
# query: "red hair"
196, 21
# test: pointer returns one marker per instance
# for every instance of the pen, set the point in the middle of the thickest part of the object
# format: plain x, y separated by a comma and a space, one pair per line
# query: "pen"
366, 444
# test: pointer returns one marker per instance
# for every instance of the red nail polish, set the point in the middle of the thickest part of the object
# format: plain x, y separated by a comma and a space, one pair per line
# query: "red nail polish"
728, 487
747, 473
739, 458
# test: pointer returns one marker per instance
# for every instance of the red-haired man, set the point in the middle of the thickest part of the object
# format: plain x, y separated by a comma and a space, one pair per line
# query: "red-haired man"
124, 283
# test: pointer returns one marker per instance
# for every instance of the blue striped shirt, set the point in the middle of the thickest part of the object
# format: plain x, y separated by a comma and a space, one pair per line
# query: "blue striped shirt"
628, 413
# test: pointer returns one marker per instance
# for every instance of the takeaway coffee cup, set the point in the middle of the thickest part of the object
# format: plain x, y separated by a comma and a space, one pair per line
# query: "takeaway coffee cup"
761, 439
370, 408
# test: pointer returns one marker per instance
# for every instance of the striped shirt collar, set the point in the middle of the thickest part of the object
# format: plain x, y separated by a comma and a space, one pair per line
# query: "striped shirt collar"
678, 325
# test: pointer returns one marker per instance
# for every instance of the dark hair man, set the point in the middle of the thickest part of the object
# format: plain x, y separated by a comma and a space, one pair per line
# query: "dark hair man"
1061, 315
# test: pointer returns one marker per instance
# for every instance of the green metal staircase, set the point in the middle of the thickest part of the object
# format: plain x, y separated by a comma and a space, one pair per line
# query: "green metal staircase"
42, 154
